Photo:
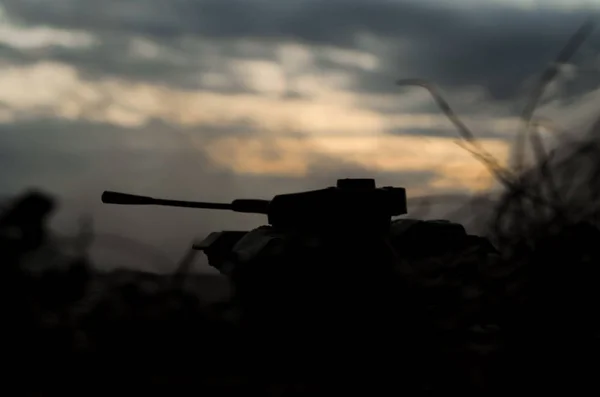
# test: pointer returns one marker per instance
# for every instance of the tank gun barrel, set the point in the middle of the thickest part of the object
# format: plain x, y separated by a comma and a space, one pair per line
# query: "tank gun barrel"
242, 205
352, 205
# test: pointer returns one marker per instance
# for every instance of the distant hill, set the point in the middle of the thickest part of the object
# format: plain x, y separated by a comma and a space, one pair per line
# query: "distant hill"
207, 286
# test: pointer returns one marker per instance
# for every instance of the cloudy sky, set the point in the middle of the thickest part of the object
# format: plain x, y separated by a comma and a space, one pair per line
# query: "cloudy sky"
218, 99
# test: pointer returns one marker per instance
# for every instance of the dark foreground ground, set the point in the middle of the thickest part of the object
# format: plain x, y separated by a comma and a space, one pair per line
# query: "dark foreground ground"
463, 320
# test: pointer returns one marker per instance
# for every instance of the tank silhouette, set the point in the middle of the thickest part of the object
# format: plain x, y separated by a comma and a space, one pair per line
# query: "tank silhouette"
353, 211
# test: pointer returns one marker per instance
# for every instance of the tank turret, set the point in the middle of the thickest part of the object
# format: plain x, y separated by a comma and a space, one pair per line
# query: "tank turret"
352, 203
354, 207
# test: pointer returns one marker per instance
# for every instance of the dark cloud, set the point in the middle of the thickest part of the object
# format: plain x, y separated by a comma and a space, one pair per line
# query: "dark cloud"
56, 153
328, 22
428, 132
450, 132
15, 56
78, 158
495, 47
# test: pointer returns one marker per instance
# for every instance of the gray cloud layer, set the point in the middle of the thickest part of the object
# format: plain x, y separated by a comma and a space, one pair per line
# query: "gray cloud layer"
490, 46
